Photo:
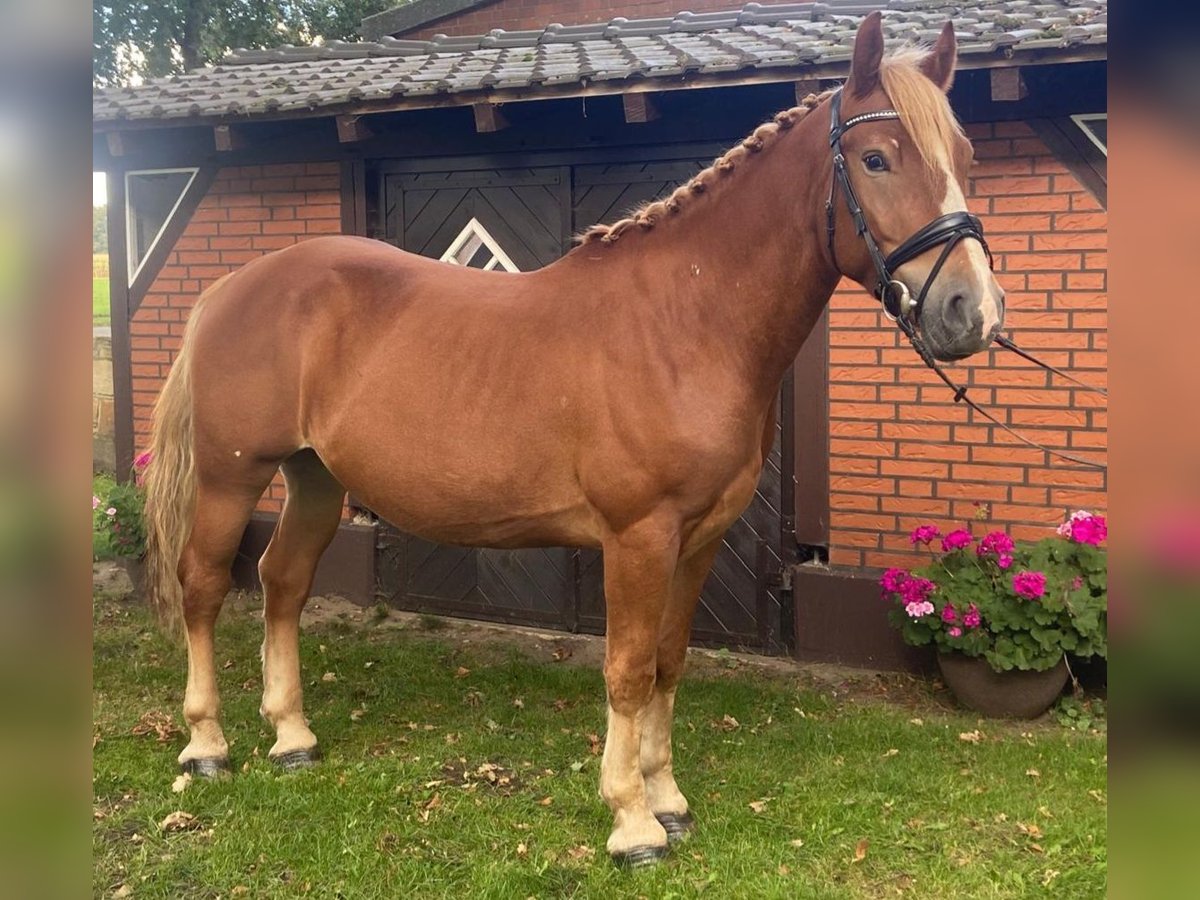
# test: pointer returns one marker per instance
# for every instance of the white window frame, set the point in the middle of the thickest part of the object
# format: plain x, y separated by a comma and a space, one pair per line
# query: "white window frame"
1079, 121
134, 266
470, 239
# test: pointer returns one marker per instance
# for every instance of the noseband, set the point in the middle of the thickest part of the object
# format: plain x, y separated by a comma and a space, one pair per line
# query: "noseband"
898, 303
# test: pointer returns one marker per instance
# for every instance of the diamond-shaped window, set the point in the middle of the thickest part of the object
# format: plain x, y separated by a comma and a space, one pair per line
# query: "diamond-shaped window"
477, 249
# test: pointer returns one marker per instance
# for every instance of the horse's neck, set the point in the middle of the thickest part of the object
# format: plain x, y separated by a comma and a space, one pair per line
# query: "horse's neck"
751, 256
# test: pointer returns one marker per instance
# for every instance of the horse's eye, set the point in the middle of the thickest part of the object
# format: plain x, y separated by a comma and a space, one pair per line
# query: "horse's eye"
875, 162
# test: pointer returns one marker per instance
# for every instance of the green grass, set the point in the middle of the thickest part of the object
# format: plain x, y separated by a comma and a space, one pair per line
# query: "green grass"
1019, 813
100, 315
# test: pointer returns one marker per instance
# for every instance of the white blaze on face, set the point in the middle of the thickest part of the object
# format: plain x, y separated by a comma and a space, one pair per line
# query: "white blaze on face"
981, 273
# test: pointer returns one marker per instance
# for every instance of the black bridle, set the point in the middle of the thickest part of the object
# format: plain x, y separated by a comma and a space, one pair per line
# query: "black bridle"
899, 305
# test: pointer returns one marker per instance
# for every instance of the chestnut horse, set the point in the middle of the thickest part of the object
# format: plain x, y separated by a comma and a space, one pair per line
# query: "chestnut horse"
620, 398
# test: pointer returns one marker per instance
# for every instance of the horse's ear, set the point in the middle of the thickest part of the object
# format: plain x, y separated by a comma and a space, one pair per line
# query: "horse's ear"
868, 51
938, 66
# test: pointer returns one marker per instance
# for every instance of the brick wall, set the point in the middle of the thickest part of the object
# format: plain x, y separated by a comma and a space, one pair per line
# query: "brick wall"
902, 453
248, 211
513, 15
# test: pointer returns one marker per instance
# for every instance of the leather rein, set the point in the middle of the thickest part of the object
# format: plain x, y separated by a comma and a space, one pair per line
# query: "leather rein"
898, 303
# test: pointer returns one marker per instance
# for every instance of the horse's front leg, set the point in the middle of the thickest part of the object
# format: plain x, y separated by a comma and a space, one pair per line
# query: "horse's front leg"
666, 801
639, 566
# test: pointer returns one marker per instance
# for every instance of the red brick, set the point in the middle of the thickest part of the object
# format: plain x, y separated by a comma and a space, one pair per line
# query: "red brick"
853, 429
323, 226
861, 539
914, 468
972, 490
858, 485
910, 431
853, 392
841, 557
1032, 203
913, 506
843, 447
1034, 495
912, 487
1063, 477
853, 465
846, 410
865, 521
1071, 240
860, 502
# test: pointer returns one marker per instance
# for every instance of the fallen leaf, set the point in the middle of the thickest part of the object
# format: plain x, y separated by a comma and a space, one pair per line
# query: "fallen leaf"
545, 801
916, 721
357, 714
729, 723
462, 672
595, 746
560, 704
1036, 848
1045, 812
860, 850
368, 664
238, 890
971, 737
434, 802
561, 652
178, 821
157, 723
784, 870
179, 785
1048, 876
797, 842
891, 752
1096, 795
522, 850
228, 664
123, 891
583, 851
760, 805
329, 676
518, 703
1031, 829
1033, 773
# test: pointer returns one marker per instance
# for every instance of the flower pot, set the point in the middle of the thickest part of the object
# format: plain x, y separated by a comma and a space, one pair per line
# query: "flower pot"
1016, 694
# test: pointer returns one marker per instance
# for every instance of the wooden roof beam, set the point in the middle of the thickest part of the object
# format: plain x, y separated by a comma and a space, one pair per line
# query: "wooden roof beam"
1008, 85
488, 118
640, 108
351, 129
228, 138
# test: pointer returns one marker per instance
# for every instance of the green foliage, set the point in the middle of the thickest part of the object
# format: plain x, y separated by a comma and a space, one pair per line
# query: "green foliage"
135, 38
118, 529
100, 229
1089, 714
1014, 632
100, 313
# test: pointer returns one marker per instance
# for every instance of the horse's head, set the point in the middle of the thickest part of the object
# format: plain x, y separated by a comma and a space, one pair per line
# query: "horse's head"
908, 171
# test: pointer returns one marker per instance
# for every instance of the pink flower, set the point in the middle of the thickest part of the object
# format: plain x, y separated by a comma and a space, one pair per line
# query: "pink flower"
918, 608
923, 534
95, 501
917, 590
111, 511
892, 580
1030, 585
997, 542
1091, 530
1077, 582
956, 540
1004, 560
954, 632
948, 614
971, 617
143, 459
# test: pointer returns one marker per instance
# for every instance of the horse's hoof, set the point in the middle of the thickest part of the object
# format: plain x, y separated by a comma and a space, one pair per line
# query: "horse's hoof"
640, 857
294, 760
211, 767
677, 825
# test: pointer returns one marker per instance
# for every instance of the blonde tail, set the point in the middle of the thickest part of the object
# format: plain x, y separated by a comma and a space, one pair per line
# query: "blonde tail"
170, 481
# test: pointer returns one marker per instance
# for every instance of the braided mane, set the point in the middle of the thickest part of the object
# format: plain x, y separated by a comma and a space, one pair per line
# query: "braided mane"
654, 212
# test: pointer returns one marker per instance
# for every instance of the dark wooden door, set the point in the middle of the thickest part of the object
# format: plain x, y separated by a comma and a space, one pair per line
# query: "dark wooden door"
530, 214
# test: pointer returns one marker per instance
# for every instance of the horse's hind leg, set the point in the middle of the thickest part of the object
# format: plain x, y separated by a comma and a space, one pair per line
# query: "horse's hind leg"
639, 565
222, 511
310, 519
665, 799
